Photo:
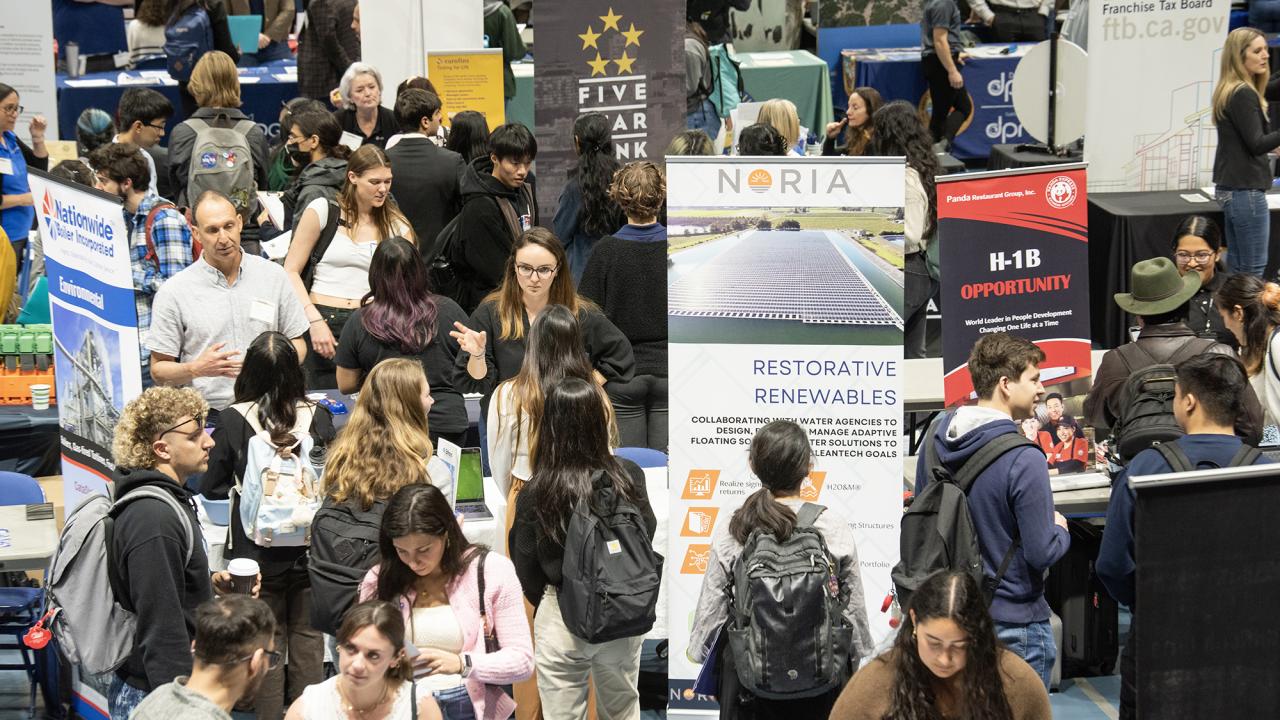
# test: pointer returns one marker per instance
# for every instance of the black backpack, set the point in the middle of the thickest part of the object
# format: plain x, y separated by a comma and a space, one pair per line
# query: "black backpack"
937, 530
786, 630
1146, 400
322, 244
611, 572
1179, 462
344, 547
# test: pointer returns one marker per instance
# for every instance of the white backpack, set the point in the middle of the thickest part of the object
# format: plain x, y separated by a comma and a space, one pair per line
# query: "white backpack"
279, 493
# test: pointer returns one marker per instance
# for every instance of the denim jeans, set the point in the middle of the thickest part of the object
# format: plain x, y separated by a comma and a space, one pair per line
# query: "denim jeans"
1247, 223
706, 119
123, 698
455, 703
1032, 642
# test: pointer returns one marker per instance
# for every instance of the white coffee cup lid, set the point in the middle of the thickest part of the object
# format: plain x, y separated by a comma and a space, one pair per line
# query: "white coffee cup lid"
243, 566
40, 386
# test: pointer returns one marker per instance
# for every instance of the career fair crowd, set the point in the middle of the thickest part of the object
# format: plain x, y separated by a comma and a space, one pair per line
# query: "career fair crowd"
418, 270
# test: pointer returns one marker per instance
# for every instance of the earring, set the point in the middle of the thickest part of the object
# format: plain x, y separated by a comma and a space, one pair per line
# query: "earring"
913, 632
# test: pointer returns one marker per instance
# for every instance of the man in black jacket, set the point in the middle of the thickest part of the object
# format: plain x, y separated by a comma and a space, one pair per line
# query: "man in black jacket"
426, 176
160, 441
498, 204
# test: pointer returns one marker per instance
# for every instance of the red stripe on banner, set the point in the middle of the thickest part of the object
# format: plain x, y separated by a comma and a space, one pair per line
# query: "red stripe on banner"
87, 709
86, 468
957, 385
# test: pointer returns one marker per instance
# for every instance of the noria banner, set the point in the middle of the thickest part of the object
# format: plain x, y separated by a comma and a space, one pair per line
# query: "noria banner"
1015, 250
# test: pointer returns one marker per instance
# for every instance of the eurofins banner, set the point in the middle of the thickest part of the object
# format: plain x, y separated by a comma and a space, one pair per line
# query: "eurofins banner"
1016, 253
95, 325
785, 295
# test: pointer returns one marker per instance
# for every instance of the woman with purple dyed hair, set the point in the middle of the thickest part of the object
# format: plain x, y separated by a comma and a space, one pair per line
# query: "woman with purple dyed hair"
401, 317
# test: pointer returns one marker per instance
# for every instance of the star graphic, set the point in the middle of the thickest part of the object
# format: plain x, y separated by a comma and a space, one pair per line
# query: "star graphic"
624, 63
633, 36
589, 38
611, 21
599, 66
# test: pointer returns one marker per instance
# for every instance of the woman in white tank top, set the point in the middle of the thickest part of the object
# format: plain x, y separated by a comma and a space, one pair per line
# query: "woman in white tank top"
374, 680
331, 287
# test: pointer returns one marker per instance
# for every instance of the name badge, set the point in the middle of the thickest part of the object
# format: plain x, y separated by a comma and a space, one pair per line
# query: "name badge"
263, 312
6, 166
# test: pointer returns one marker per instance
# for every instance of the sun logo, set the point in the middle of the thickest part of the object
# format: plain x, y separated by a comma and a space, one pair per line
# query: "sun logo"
759, 180
811, 488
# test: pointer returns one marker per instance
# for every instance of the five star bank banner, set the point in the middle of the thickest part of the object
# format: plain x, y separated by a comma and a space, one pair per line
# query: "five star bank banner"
95, 325
623, 58
785, 288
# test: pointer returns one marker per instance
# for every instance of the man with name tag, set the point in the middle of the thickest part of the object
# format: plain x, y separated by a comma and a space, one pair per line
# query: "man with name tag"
203, 318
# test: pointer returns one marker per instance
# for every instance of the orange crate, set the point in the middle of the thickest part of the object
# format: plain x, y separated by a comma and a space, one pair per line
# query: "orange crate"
15, 386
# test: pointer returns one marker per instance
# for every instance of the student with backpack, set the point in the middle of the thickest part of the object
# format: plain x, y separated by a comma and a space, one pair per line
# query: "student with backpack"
1206, 402
1250, 309
195, 28
313, 143
141, 116
985, 469
946, 662
218, 147
160, 240
384, 446
1132, 386
767, 548
585, 520
461, 604
273, 427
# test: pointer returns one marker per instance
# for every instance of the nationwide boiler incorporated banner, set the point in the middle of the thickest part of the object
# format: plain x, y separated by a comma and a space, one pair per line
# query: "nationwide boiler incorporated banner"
95, 326
785, 301
1152, 128
1015, 247
623, 58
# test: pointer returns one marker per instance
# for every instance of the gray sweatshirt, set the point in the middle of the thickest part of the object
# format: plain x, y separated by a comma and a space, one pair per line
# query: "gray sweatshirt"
174, 700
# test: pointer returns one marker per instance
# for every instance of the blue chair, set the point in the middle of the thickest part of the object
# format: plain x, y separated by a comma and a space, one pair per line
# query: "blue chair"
20, 607
644, 457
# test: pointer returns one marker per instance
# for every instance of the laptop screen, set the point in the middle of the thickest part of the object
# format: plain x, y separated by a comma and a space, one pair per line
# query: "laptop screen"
470, 477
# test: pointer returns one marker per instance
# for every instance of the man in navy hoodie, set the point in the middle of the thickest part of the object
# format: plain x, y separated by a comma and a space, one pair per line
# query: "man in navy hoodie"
1208, 397
1012, 496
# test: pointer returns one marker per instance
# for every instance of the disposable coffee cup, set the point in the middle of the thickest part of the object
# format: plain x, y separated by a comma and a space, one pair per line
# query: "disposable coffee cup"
244, 575
72, 53
39, 397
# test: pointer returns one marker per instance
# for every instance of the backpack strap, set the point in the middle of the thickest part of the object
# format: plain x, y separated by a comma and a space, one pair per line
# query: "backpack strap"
327, 233
509, 214
987, 455
114, 577
413, 699
1247, 455
1192, 347
1175, 458
244, 126
152, 256
808, 515
931, 461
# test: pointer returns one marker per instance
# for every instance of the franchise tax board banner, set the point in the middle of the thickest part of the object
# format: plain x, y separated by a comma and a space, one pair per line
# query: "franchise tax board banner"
623, 58
95, 325
1015, 250
785, 291
1153, 130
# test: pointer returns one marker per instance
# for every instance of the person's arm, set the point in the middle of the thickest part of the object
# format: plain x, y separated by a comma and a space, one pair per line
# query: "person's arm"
348, 378
300, 247
942, 45
610, 350
915, 213
222, 30
347, 358
1115, 565
278, 26
12, 201
1248, 119
37, 154
428, 708
980, 12
299, 346
501, 441
476, 367
523, 544
1044, 539
712, 610
514, 662
261, 155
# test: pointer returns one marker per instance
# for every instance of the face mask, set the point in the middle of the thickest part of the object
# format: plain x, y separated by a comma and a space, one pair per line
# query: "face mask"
301, 158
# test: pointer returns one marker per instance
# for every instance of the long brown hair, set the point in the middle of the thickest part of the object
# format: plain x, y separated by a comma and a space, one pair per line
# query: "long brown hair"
386, 443
780, 457
388, 218
858, 140
508, 298
419, 508
1260, 303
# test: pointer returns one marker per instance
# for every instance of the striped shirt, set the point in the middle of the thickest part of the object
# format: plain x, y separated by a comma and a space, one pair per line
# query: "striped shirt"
172, 238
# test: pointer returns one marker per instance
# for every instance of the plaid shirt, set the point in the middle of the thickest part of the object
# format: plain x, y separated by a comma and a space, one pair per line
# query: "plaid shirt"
326, 47
172, 238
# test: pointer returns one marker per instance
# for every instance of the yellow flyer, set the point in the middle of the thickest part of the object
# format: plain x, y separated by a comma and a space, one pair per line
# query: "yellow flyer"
469, 80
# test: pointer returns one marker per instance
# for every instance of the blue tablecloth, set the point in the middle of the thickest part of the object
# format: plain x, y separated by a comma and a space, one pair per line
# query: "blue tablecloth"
261, 99
896, 73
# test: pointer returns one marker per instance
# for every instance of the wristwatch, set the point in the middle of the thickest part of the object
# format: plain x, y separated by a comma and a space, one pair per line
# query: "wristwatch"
466, 664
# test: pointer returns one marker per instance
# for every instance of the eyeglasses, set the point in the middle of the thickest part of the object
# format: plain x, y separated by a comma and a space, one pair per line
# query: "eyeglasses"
154, 126
528, 271
1201, 257
13, 109
199, 421
273, 659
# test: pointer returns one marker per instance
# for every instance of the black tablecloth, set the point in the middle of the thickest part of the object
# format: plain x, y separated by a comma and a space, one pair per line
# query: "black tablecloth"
1007, 157
29, 440
1125, 228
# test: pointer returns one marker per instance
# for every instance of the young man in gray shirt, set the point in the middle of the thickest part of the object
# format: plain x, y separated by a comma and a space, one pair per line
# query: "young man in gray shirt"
234, 649
203, 318
941, 62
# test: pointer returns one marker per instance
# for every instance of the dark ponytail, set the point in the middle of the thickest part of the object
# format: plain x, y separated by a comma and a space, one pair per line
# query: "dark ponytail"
599, 215
780, 457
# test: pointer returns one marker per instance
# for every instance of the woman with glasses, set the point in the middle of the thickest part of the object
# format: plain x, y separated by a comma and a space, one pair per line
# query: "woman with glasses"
17, 209
1197, 247
493, 341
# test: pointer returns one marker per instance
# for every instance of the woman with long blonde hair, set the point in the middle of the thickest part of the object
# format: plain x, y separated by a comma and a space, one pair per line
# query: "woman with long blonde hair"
782, 116
329, 259
1241, 168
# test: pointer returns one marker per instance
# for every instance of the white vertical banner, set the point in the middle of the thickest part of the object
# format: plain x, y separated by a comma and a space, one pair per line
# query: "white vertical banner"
785, 295
95, 325
1152, 68
27, 65
395, 35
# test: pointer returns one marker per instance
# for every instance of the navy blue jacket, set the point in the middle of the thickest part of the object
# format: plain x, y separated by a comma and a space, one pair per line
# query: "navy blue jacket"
1115, 566
1012, 493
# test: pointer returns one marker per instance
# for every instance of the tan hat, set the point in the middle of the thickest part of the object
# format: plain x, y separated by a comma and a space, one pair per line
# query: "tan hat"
1157, 288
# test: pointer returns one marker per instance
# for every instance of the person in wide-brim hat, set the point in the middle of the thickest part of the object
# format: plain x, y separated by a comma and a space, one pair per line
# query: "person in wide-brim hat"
1158, 288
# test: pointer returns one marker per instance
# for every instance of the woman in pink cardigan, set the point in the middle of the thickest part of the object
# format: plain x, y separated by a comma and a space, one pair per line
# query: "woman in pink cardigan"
439, 580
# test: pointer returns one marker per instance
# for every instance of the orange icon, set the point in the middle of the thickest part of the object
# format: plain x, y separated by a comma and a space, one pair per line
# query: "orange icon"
700, 485
696, 559
759, 180
699, 521
811, 488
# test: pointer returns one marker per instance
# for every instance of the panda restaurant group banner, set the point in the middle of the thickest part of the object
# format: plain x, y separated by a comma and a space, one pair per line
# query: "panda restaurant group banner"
1015, 249
623, 58
95, 325
785, 292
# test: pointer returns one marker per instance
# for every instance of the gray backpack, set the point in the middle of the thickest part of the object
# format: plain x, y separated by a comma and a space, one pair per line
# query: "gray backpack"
787, 630
93, 621
221, 160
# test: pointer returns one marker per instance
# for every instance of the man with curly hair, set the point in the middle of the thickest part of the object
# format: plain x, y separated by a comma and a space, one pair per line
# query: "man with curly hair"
160, 441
